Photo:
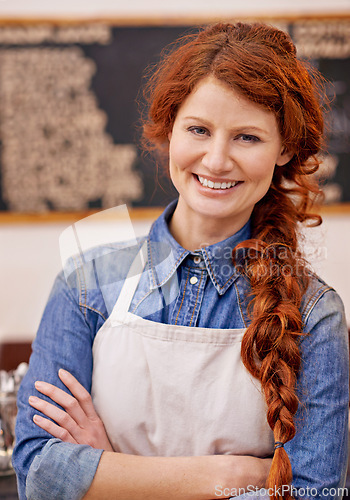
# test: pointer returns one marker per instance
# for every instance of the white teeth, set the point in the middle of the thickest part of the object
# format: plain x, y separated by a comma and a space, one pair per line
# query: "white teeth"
216, 185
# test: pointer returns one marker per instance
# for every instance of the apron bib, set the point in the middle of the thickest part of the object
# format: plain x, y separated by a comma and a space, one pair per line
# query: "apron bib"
168, 390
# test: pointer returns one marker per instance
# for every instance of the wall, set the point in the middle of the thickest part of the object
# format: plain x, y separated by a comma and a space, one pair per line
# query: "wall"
30, 259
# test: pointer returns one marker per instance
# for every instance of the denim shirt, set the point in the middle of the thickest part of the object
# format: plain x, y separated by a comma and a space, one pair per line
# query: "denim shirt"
83, 297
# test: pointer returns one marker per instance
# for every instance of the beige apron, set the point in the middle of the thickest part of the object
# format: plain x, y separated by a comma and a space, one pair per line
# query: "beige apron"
167, 390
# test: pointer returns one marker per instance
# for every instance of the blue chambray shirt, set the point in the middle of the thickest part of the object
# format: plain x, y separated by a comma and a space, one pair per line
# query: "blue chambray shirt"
201, 288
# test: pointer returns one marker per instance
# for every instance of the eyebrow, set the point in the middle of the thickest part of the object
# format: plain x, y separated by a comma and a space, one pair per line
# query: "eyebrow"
239, 128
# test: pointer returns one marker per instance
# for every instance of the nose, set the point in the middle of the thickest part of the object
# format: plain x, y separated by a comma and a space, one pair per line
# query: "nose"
217, 158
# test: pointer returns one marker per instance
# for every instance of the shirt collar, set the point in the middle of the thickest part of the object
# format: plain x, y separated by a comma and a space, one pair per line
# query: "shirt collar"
165, 254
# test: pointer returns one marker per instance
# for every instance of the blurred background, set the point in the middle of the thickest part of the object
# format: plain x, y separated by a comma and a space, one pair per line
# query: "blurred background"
70, 76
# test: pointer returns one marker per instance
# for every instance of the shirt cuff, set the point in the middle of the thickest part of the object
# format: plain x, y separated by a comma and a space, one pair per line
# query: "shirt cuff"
62, 470
260, 494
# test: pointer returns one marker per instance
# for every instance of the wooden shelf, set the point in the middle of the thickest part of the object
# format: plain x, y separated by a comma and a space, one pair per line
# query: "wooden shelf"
8, 218
151, 213
175, 20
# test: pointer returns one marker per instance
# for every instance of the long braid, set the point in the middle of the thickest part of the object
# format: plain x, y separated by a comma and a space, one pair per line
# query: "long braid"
270, 346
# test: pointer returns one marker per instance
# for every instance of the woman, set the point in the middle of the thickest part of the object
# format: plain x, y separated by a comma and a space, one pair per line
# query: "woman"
221, 366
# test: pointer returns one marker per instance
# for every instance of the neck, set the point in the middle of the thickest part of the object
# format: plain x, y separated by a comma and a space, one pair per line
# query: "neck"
193, 231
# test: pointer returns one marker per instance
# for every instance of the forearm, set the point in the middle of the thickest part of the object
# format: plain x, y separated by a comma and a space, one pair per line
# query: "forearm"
125, 476
128, 477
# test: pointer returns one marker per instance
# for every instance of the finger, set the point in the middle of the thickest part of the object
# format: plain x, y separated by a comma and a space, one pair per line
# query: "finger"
68, 402
74, 433
53, 429
79, 392
63, 419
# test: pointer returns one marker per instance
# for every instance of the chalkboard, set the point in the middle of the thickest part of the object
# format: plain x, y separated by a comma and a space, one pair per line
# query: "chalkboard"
69, 113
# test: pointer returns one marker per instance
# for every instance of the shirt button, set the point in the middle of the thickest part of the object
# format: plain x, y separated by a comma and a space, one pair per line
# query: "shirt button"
193, 280
197, 259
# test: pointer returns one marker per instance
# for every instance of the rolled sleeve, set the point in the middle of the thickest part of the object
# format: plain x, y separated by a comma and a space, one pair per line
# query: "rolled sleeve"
64, 340
261, 494
318, 452
62, 470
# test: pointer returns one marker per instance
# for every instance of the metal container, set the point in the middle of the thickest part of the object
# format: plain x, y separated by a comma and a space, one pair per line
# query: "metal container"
9, 384
8, 412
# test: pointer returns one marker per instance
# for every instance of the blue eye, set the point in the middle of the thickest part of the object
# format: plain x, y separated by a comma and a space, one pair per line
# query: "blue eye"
198, 130
249, 138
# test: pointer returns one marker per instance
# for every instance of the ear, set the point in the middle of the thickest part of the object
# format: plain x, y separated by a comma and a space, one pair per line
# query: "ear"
284, 157
169, 136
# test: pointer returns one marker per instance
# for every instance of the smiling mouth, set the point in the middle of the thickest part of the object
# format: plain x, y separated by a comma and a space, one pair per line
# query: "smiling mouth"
216, 185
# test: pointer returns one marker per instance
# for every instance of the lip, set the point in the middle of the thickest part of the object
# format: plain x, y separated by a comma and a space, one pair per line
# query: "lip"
215, 192
215, 179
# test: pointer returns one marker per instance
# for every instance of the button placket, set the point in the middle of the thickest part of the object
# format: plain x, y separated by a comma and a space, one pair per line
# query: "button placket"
188, 302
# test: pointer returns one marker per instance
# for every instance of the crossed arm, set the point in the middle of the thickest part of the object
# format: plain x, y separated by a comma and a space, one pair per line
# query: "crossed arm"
129, 476
318, 452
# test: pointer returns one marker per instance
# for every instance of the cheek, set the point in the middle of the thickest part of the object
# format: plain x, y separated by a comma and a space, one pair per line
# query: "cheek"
181, 155
261, 168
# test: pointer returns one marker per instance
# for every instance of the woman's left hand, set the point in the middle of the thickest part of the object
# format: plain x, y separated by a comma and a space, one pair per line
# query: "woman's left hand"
78, 423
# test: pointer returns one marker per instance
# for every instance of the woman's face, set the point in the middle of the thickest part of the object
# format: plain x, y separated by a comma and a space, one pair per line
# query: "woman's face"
223, 150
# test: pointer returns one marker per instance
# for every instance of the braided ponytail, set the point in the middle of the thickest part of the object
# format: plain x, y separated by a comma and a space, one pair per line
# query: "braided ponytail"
270, 346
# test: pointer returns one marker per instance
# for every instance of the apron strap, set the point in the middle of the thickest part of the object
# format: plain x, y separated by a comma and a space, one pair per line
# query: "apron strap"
130, 284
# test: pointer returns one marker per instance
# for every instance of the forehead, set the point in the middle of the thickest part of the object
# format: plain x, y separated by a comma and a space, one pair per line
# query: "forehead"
215, 100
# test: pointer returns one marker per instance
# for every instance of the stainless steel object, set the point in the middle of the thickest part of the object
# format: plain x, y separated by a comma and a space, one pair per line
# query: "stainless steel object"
9, 383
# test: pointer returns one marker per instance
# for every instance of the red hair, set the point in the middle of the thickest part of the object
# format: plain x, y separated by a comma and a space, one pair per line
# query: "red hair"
260, 63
